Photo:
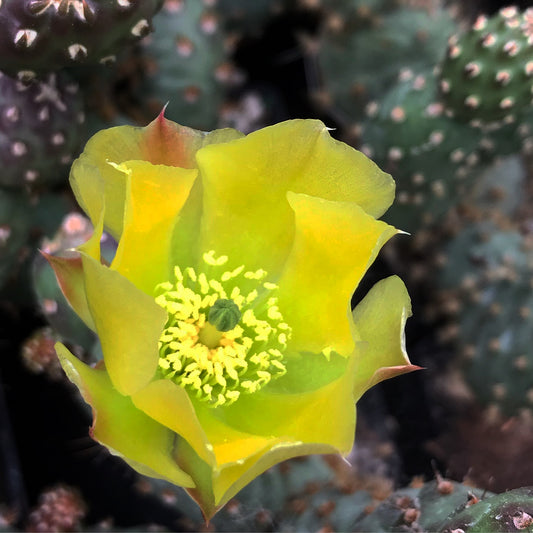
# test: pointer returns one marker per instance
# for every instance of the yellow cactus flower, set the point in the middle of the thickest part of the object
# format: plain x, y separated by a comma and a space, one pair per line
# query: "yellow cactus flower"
228, 340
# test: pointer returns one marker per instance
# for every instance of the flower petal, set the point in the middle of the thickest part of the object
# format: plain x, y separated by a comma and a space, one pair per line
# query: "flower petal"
231, 479
92, 167
120, 426
129, 324
69, 274
166, 143
155, 195
241, 457
162, 142
246, 215
322, 416
380, 320
170, 405
334, 244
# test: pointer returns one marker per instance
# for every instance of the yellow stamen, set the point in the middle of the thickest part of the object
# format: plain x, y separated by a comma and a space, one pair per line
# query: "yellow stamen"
218, 366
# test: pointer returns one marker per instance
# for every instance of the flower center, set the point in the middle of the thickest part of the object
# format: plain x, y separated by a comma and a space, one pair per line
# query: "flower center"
224, 335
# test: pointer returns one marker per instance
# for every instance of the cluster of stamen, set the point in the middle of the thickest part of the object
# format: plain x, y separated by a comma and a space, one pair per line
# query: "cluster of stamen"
213, 365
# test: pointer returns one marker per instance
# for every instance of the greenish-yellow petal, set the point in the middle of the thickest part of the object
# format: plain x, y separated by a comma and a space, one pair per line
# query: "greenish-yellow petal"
121, 427
322, 416
240, 458
185, 247
170, 405
231, 479
129, 324
246, 215
155, 195
334, 244
229, 444
380, 320
111, 145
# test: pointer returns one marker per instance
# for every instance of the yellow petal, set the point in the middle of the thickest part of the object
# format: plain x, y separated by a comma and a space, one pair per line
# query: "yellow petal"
155, 195
162, 142
240, 457
121, 427
322, 416
129, 324
334, 244
380, 320
229, 444
92, 167
170, 405
231, 479
246, 215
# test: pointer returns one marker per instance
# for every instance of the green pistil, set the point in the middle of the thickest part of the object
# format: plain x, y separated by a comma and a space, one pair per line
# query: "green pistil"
224, 315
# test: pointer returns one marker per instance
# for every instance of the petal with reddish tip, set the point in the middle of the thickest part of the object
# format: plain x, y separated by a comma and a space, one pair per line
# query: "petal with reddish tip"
129, 324
161, 142
69, 274
380, 320
121, 427
334, 244
154, 198
246, 213
170, 405
165, 142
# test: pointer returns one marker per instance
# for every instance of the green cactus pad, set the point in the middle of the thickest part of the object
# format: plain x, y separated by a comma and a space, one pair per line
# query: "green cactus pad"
42, 35
432, 158
186, 64
14, 232
40, 130
419, 509
502, 513
365, 45
487, 75
491, 269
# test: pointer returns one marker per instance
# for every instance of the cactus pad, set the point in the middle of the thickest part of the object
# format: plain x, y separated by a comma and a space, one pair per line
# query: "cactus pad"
487, 75
42, 35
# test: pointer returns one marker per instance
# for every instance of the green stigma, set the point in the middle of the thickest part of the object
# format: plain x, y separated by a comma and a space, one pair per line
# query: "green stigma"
224, 314
225, 335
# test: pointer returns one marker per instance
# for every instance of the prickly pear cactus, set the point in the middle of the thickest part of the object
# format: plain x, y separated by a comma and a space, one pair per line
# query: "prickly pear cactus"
487, 75
490, 269
365, 45
501, 513
42, 35
432, 158
186, 64
245, 17
419, 509
15, 227
41, 130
